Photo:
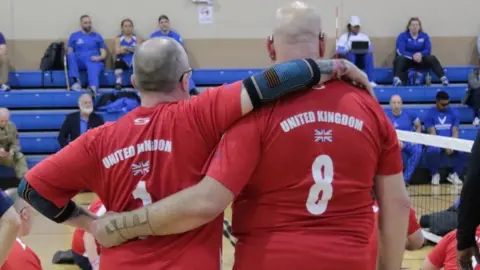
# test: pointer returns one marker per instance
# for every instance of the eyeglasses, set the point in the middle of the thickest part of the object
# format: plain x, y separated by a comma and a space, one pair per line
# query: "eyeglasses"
188, 73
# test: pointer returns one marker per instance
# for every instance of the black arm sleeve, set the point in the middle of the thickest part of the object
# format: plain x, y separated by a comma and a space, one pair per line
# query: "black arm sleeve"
281, 79
62, 137
469, 212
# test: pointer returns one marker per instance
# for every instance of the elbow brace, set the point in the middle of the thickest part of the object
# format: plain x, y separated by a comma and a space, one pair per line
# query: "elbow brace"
281, 79
44, 206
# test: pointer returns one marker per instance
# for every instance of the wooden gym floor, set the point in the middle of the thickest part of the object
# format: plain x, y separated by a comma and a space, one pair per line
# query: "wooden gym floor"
47, 237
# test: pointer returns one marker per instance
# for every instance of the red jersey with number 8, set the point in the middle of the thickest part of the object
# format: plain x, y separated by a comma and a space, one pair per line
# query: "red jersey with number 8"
302, 171
145, 156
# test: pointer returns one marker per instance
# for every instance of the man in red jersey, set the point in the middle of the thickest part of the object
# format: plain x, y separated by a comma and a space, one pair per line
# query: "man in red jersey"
86, 252
21, 256
159, 149
301, 171
444, 254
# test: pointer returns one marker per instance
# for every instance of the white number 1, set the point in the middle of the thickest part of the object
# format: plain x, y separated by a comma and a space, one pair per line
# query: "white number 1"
322, 190
140, 192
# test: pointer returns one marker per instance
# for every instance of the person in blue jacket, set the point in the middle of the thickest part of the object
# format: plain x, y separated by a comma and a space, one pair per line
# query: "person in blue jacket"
86, 51
406, 121
125, 45
165, 31
442, 120
414, 50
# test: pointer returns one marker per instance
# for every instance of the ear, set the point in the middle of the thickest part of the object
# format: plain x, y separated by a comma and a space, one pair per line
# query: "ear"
132, 80
186, 82
271, 48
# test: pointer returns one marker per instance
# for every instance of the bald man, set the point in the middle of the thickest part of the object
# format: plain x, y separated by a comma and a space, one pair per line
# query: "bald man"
10, 155
300, 171
77, 123
160, 148
21, 256
407, 121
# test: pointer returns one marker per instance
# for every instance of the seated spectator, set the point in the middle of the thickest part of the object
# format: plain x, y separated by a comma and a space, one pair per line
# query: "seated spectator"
85, 249
472, 96
414, 50
357, 47
165, 31
124, 48
408, 122
444, 254
86, 51
3, 64
21, 256
77, 123
10, 155
442, 120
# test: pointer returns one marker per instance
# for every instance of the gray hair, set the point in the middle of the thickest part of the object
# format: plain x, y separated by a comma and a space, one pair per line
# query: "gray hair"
297, 22
4, 111
158, 65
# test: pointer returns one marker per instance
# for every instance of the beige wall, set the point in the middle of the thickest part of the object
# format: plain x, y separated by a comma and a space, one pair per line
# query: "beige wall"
236, 38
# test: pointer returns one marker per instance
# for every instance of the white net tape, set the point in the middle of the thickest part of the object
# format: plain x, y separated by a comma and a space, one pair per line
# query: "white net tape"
438, 141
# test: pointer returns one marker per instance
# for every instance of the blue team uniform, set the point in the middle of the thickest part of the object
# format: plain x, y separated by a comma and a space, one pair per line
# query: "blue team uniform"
443, 122
85, 45
127, 57
5, 203
178, 38
405, 121
407, 46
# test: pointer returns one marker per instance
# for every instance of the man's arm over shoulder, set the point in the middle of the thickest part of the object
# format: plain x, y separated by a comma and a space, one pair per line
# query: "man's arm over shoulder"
231, 166
218, 108
392, 198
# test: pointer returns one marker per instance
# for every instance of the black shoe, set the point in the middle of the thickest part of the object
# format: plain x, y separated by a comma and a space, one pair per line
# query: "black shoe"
118, 86
63, 257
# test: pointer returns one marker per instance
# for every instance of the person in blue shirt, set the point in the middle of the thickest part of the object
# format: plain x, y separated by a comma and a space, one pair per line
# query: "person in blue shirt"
9, 226
414, 50
406, 121
86, 51
361, 58
442, 120
165, 31
125, 45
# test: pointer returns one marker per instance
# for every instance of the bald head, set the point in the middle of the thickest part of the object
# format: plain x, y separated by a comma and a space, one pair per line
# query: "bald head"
4, 117
158, 65
297, 22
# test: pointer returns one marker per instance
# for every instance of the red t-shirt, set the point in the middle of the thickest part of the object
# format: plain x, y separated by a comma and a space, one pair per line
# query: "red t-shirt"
21, 257
78, 245
302, 172
413, 226
444, 254
145, 156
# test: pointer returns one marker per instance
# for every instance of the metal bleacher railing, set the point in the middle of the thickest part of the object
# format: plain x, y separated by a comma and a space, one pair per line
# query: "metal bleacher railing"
40, 107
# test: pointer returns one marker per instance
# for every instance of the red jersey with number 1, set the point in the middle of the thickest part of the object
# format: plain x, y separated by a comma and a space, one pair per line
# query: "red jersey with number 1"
145, 156
302, 170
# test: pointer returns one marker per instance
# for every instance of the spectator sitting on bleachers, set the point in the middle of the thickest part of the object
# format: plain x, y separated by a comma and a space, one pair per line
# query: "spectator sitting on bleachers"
408, 122
165, 31
414, 50
10, 155
3, 64
77, 123
472, 96
357, 47
442, 120
125, 45
86, 51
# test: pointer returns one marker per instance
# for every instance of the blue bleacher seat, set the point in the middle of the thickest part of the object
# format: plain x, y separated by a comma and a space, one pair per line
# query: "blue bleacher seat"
202, 77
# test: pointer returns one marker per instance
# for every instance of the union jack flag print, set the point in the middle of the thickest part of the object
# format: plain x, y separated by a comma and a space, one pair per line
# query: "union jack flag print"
323, 135
141, 168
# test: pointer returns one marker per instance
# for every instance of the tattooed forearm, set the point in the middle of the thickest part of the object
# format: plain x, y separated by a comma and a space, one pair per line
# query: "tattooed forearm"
338, 67
129, 225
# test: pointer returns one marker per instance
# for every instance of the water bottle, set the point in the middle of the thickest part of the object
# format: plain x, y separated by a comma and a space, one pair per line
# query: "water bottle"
428, 79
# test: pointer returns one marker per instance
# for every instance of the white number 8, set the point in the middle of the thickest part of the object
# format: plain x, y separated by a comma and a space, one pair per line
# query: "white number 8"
317, 204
